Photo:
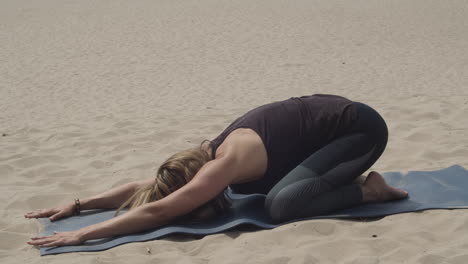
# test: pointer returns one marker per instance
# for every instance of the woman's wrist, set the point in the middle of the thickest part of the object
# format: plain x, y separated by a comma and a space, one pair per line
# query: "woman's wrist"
87, 204
77, 208
89, 232
82, 234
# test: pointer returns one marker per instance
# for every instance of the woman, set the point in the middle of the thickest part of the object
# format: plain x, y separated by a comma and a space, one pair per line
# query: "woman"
303, 153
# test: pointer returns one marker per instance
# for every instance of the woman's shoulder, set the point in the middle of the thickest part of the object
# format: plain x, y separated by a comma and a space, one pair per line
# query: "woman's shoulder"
244, 147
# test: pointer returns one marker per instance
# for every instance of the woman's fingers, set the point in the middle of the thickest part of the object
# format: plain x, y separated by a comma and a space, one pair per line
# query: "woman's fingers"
41, 213
57, 239
31, 214
39, 242
36, 238
42, 239
53, 244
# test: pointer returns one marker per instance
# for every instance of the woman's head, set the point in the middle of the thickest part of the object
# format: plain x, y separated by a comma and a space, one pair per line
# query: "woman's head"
174, 173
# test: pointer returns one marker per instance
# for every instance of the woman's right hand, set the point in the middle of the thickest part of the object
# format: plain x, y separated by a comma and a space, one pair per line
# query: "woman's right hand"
53, 213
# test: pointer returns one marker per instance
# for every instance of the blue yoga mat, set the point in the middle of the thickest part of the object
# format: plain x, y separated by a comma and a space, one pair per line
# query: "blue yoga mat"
441, 189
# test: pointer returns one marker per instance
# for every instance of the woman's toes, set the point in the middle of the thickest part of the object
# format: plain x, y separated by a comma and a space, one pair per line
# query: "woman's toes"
397, 193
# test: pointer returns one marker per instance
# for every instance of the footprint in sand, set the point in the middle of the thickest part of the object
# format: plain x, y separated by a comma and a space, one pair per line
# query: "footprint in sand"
278, 260
432, 155
419, 137
40, 171
459, 259
427, 116
72, 134
32, 161
37, 201
430, 258
63, 174
117, 157
12, 240
313, 228
123, 147
12, 157
108, 134
99, 164
124, 124
6, 170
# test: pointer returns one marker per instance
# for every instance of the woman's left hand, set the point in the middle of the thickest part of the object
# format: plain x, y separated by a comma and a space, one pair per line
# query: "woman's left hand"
58, 239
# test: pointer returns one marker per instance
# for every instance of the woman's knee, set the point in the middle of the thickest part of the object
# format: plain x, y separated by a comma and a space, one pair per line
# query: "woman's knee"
275, 212
276, 206
284, 204
282, 209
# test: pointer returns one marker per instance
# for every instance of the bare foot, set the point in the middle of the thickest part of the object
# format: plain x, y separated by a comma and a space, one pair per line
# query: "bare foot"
375, 189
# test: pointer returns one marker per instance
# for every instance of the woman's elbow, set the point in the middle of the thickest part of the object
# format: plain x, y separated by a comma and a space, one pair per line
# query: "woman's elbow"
157, 214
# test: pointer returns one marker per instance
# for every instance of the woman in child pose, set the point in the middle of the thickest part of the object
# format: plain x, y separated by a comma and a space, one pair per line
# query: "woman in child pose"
305, 153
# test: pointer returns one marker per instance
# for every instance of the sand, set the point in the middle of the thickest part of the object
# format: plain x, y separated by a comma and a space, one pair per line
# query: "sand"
98, 93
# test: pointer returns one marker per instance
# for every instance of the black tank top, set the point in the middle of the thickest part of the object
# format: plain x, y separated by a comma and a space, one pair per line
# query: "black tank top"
291, 130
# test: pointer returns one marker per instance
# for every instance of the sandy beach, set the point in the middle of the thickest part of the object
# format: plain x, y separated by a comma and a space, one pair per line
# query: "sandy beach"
94, 94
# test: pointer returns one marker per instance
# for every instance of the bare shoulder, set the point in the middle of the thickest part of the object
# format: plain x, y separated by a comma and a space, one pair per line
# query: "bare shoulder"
245, 148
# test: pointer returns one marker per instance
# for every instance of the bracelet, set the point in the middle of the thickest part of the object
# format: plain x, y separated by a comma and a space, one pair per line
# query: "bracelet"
77, 206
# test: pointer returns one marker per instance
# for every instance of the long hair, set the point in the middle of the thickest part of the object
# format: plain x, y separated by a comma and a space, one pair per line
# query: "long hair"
174, 173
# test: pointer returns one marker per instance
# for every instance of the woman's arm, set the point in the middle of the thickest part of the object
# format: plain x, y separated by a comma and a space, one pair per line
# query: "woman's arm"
114, 197
110, 199
212, 179
135, 220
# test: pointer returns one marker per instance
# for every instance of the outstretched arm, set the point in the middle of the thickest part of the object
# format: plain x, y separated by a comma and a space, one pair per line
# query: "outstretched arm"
211, 180
114, 197
110, 199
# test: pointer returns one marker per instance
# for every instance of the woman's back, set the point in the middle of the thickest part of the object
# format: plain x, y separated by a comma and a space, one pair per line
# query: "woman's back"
291, 130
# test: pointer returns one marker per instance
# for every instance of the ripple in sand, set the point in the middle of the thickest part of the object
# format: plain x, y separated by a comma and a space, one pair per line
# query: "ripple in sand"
124, 124
33, 161
460, 259
12, 240
99, 164
419, 137
6, 170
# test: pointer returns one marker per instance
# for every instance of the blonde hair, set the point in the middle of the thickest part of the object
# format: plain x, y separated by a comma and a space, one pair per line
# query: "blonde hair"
174, 173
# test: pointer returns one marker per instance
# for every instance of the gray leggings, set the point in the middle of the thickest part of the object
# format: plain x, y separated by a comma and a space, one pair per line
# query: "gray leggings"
322, 183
